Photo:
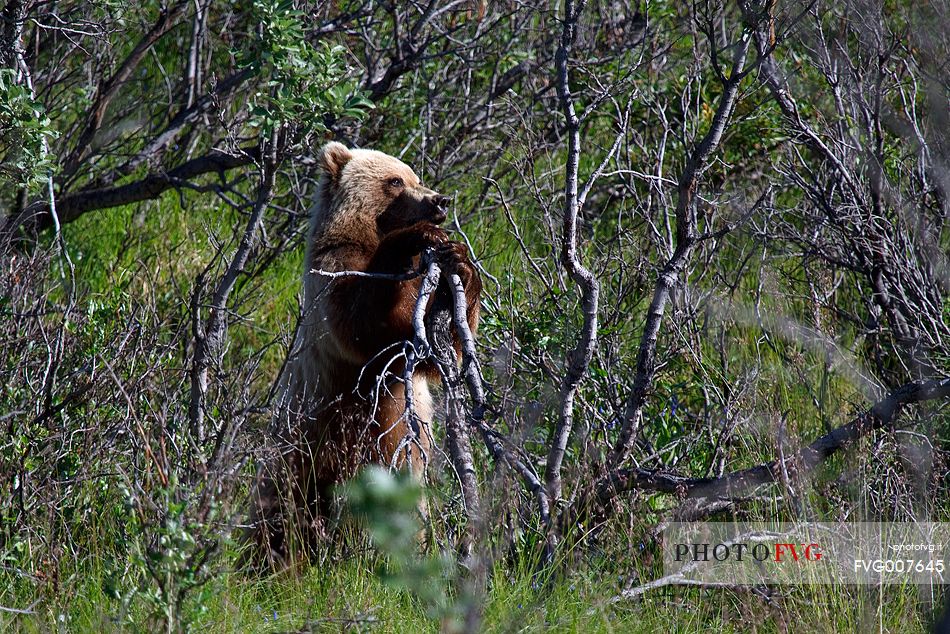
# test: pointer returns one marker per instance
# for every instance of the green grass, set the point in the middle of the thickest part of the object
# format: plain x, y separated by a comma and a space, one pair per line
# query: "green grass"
351, 593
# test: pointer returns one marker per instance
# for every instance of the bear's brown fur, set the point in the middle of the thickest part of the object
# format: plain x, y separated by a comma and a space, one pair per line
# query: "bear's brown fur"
340, 406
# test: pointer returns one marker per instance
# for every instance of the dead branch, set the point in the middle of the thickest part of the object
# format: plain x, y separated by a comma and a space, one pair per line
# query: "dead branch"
209, 335
438, 333
36, 217
437, 339
686, 239
108, 89
580, 357
739, 483
495, 442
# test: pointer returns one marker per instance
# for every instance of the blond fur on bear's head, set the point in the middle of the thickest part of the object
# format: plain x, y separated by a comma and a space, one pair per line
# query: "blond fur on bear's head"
366, 192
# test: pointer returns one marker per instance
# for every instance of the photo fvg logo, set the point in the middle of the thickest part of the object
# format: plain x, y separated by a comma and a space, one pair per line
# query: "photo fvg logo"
742, 551
808, 553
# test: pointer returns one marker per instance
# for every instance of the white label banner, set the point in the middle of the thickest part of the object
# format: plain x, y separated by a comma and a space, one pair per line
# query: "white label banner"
785, 553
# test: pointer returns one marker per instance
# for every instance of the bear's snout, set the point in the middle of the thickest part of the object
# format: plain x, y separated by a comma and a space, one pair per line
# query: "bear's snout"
440, 205
414, 205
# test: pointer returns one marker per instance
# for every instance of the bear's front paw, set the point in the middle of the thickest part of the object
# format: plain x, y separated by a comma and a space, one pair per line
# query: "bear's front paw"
453, 257
399, 251
429, 235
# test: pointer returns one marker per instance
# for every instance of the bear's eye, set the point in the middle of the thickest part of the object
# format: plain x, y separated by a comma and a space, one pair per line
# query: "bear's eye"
396, 182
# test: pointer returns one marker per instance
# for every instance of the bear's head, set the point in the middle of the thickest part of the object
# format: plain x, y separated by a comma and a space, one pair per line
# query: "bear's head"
380, 188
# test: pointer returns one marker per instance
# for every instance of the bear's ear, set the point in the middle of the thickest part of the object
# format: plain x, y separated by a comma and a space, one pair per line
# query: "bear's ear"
333, 156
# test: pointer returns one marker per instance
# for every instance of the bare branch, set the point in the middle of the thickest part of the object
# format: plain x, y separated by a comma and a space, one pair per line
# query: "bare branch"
738, 483
36, 217
439, 327
580, 356
108, 89
209, 336
686, 239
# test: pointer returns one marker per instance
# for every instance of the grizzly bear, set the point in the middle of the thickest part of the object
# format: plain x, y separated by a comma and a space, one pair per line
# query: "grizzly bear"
343, 402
